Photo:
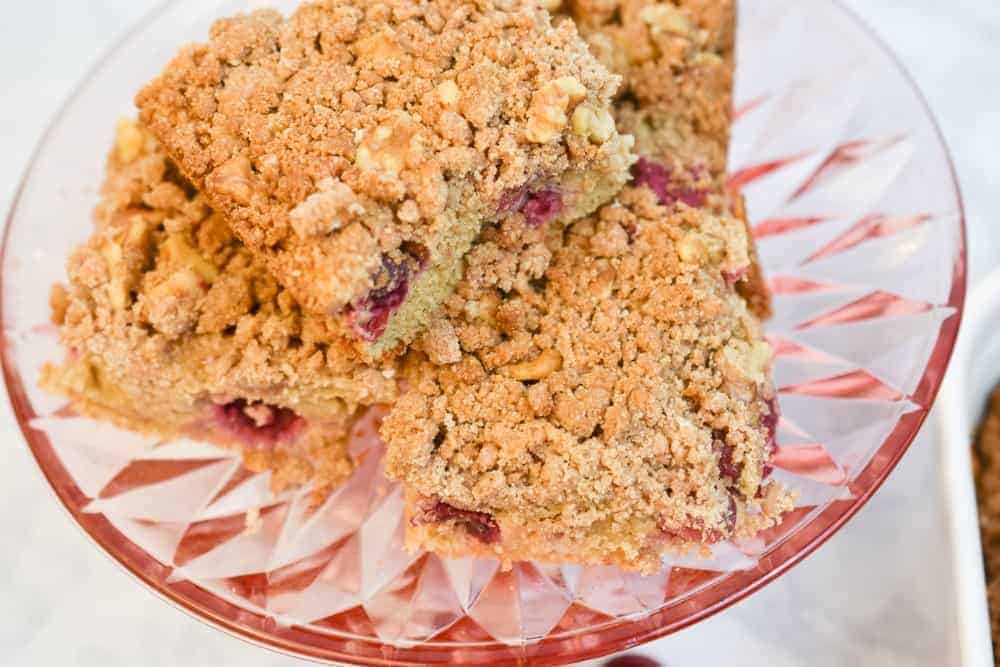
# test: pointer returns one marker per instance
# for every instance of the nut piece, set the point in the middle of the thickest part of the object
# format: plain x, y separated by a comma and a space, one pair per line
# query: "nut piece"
233, 179
550, 5
327, 210
666, 18
381, 52
539, 368
129, 140
408, 212
441, 343
749, 360
549, 106
177, 252
390, 148
58, 303
595, 124
690, 249
113, 257
448, 93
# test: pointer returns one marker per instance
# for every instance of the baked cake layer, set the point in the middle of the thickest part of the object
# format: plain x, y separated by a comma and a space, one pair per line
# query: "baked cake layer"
358, 146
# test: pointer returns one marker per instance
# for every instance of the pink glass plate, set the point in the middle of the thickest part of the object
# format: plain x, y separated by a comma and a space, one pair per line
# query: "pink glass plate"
860, 225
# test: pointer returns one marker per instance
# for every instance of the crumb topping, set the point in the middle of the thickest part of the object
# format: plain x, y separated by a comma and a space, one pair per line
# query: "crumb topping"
331, 139
675, 58
609, 379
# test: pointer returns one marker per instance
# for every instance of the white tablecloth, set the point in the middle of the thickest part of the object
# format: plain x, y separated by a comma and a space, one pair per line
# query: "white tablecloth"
877, 594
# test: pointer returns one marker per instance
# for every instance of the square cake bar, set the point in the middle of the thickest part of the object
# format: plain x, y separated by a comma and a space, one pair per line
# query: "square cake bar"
358, 146
172, 327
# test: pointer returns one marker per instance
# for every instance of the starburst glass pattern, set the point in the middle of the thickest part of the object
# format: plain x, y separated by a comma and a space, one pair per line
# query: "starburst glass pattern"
860, 229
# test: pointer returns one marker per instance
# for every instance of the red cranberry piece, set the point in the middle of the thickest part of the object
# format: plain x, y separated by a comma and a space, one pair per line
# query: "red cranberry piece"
728, 469
686, 533
656, 177
730, 518
257, 423
632, 661
480, 525
538, 206
542, 206
371, 315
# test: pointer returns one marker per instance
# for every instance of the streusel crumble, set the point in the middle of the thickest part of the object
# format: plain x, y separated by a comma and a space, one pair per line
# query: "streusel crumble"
595, 396
676, 62
359, 145
173, 327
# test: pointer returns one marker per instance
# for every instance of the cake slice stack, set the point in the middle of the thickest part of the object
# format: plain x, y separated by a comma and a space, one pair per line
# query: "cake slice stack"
453, 211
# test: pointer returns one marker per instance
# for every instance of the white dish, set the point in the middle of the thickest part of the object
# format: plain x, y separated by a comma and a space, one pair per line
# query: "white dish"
975, 371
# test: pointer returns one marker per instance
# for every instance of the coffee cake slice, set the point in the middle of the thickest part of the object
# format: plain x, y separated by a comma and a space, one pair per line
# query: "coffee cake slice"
676, 60
358, 146
172, 327
598, 396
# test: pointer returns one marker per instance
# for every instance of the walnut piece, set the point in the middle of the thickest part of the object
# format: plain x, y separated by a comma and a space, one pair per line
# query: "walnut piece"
390, 148
547, 116
539, 368
448, 93
129, 140
441, 343
233, 179
327, 210
666, 18
593, 123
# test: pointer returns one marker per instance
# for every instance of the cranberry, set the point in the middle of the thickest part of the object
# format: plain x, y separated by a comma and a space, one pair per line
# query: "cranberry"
538, 206
257, 423
480, 525
686, 533
542, 207
656, 177
632, 661
730, 518
370, 316
728, 469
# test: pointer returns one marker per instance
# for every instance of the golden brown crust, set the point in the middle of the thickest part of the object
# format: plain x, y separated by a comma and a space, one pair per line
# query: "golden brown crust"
168, 318
612, 399
353, 131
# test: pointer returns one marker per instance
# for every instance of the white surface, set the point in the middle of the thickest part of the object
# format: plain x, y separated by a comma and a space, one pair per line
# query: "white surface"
875, 595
